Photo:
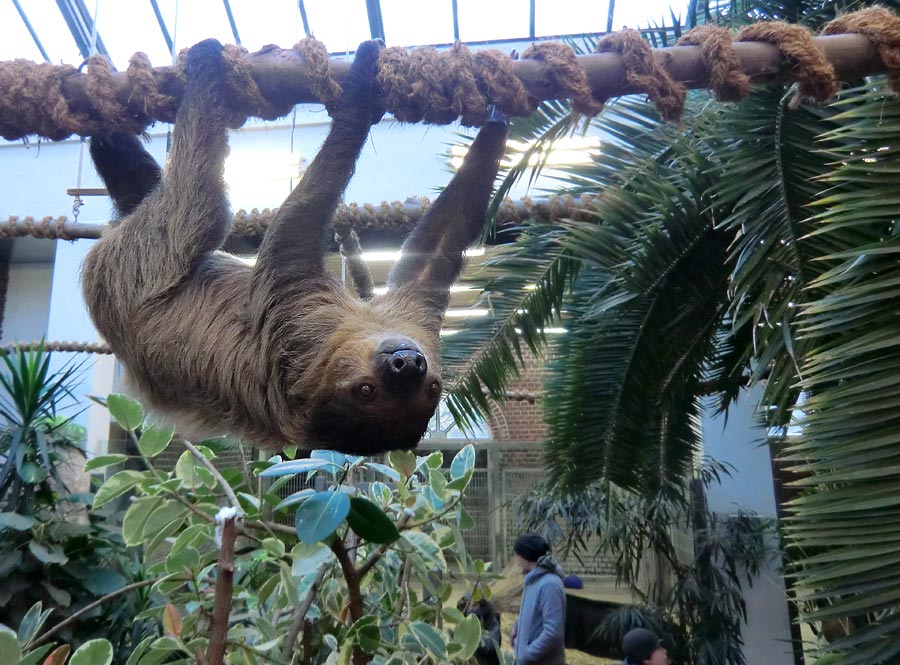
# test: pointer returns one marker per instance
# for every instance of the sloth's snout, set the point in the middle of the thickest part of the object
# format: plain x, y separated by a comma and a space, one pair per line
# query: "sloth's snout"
402, 365
405, 368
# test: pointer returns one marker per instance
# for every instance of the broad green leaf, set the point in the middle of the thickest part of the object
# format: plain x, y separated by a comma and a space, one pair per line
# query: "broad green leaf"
191, 473
185, 559
139, 651
32, 473
103, 460
274, 546
93, 652
370, 522
384, 470
136, 517
15, 521
31, 623
468, 636
452, 615
37, 655
463, 462
321, 515
437, 503
426, 547
435, 460
403, 461
117, 485
430, 638
308, 558
294, 467
460, 484
337, 459
466, 521
289, 584
149, 515
126, 411
192, 536
366, 633
10, 652
155, 439
44, 554
295, 498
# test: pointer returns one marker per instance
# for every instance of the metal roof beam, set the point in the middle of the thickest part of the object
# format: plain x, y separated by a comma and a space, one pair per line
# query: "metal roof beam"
162, 25
376, 23
303, 18
37, 42
81, 25
234, 30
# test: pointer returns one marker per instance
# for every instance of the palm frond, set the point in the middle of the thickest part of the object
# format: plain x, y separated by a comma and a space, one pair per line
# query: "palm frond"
847, 522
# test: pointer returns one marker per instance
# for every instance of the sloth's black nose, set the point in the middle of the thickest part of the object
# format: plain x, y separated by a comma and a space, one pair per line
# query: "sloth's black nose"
406, 366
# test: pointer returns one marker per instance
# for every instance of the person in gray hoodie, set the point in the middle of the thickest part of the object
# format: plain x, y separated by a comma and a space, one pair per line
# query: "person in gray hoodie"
538, 637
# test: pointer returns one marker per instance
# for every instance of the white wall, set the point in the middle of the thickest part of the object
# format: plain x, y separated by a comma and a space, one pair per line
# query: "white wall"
27, 300
738, 441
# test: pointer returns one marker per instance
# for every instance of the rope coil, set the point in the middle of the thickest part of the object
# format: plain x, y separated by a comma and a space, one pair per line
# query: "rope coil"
424, 84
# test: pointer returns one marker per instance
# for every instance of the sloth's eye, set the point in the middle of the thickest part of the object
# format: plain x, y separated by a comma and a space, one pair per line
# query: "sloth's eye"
365, 391
434, 388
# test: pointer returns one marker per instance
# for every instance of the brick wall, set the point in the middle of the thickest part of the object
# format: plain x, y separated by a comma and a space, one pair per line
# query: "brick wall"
522, 420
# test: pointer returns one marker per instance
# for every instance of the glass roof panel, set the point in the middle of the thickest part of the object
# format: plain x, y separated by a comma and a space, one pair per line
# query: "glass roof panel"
498, 19
112, 15
50, 27
414, 23
340, 24
275, 22
568, 17
194, 21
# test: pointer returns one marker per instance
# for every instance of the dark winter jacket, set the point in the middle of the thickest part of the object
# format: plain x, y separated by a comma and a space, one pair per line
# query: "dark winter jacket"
540, 629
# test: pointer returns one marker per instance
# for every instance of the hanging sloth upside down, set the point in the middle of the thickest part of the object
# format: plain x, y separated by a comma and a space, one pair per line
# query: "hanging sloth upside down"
279, 353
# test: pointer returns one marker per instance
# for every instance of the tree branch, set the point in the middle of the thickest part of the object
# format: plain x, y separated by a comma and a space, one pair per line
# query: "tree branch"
300, 617
215, 472
218, 633
87, 608
356, 601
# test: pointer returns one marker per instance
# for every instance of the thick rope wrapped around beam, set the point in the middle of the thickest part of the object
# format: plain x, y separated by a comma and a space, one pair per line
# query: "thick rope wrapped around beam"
393, 217
425, 84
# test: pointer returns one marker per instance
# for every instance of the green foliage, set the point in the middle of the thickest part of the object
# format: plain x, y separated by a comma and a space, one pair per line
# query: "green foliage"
53, 553
34, 439
753, 245
366, 568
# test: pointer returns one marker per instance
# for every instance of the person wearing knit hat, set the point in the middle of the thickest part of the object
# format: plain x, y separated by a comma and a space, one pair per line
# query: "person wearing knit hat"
538, 637
643, 647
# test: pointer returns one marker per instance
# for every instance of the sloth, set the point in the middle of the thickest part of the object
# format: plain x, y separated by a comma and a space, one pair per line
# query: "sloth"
279, 353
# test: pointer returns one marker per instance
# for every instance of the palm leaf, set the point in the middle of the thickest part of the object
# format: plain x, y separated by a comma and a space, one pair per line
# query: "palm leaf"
848, 519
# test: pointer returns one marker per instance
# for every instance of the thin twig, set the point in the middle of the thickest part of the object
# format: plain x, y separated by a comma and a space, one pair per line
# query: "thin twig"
272, 527
190, 506
302, 611
404, 587
215, 472
87, 608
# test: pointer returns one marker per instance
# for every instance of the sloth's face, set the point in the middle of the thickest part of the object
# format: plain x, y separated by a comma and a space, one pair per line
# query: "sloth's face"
378, 394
